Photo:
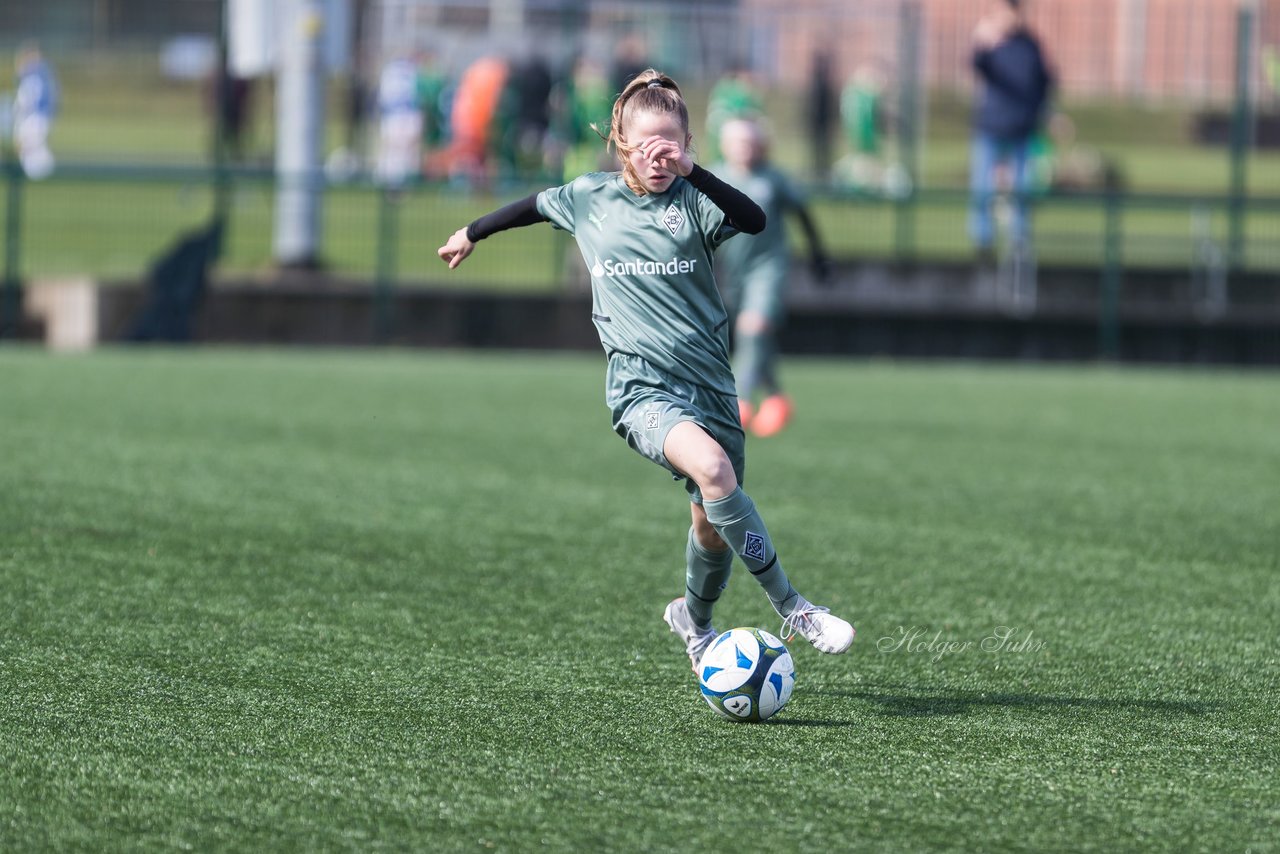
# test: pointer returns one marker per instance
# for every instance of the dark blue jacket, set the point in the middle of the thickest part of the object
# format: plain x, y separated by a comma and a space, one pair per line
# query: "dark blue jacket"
1015, 87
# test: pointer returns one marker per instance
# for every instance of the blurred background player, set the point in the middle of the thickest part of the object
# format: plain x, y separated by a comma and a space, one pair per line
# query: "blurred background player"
34, 107
734, 96
648, 233
756, 268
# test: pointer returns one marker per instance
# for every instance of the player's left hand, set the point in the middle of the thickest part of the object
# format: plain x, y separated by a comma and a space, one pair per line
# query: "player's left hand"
668, 154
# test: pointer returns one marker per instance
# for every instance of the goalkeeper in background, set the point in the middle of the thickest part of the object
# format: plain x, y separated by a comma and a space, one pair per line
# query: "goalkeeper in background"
755, 267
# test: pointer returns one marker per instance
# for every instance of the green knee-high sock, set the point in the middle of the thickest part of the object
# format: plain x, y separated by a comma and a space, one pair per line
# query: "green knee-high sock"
735, 519
706, 576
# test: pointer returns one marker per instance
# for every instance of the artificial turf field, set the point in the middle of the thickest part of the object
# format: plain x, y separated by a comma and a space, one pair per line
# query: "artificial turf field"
298, 600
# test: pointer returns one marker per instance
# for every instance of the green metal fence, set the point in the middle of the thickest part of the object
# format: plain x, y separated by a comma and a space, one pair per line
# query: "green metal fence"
109, 224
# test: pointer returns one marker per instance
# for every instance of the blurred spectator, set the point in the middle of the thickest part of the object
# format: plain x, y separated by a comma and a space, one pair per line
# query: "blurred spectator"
734, 96
399, 124
34, 108
823, 108
629, 59
755, 269
474, 119
432, 84
862, 118
589, 105
231, 98
1014, 86
526, 114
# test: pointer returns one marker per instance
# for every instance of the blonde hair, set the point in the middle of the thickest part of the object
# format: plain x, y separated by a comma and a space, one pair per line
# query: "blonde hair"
649, 91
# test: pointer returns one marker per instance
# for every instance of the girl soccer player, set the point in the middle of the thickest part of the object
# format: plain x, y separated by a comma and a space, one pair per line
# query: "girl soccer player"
647, 235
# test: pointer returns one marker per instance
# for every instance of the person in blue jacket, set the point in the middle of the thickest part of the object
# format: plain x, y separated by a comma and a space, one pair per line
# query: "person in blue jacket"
1014, 86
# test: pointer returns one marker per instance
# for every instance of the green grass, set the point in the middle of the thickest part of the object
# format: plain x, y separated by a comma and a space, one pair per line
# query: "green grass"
347, 600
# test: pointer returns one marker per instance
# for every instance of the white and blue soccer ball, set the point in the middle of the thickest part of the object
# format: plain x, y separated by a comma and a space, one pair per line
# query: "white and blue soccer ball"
747, 674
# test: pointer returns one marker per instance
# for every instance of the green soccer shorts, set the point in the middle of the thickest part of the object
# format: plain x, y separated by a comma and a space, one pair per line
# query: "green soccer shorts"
647, 402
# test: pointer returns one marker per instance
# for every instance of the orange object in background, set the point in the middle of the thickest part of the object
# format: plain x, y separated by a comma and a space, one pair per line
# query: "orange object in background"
474, 107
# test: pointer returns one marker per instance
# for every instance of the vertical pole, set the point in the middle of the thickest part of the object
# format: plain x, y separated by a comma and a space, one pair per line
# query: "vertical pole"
384, 281
908, 113
300, 108
221, 182
1241, 120
1112, 259
11, 299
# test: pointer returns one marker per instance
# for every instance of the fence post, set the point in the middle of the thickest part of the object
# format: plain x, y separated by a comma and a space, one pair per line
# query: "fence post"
1112, 259
11, 299
908, 127
384, 278
1241, 122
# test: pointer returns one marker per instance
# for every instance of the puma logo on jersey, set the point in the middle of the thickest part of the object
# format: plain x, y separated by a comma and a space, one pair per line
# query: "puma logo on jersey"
597, 221
673, 219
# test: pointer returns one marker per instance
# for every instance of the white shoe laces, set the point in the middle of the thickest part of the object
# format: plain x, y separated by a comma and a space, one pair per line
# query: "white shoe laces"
800, 619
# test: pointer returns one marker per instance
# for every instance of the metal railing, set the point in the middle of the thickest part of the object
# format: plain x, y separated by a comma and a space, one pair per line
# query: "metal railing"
111, 223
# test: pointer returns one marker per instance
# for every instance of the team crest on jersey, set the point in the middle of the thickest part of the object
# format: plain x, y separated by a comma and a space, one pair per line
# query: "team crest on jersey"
673, 219
754, 546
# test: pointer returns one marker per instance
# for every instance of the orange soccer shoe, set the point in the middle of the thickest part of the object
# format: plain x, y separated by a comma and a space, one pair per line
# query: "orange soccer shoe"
774, 414
745, 413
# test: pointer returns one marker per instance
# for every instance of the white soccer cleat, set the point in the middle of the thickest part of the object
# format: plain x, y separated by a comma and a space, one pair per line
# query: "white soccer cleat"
827, 632
695, 640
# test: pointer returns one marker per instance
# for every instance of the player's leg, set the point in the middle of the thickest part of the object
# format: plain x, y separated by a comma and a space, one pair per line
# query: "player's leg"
982, 187
751, 352
1020, 156
767, 313
733, 516
708, 562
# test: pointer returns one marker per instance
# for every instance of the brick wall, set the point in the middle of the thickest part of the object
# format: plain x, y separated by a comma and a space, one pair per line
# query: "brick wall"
1155, 49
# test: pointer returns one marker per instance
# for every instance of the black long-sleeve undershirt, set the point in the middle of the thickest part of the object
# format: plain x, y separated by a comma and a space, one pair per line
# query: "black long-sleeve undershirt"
514, 215
744, 214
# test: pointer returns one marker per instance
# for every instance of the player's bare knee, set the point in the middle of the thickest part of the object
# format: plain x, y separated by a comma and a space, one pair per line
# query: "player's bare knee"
752, 323
715, 475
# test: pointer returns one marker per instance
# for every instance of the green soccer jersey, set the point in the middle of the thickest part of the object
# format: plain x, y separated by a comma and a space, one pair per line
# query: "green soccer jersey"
775, 194
653, 291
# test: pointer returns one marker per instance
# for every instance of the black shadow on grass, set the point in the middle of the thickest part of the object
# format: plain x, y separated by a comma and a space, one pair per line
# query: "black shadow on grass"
903, 701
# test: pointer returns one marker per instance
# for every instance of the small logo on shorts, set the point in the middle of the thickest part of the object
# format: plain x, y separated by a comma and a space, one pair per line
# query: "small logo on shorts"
651, 420
673, 219
754, 547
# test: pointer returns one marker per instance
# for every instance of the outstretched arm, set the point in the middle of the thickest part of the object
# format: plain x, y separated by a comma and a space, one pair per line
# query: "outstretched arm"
463, 241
